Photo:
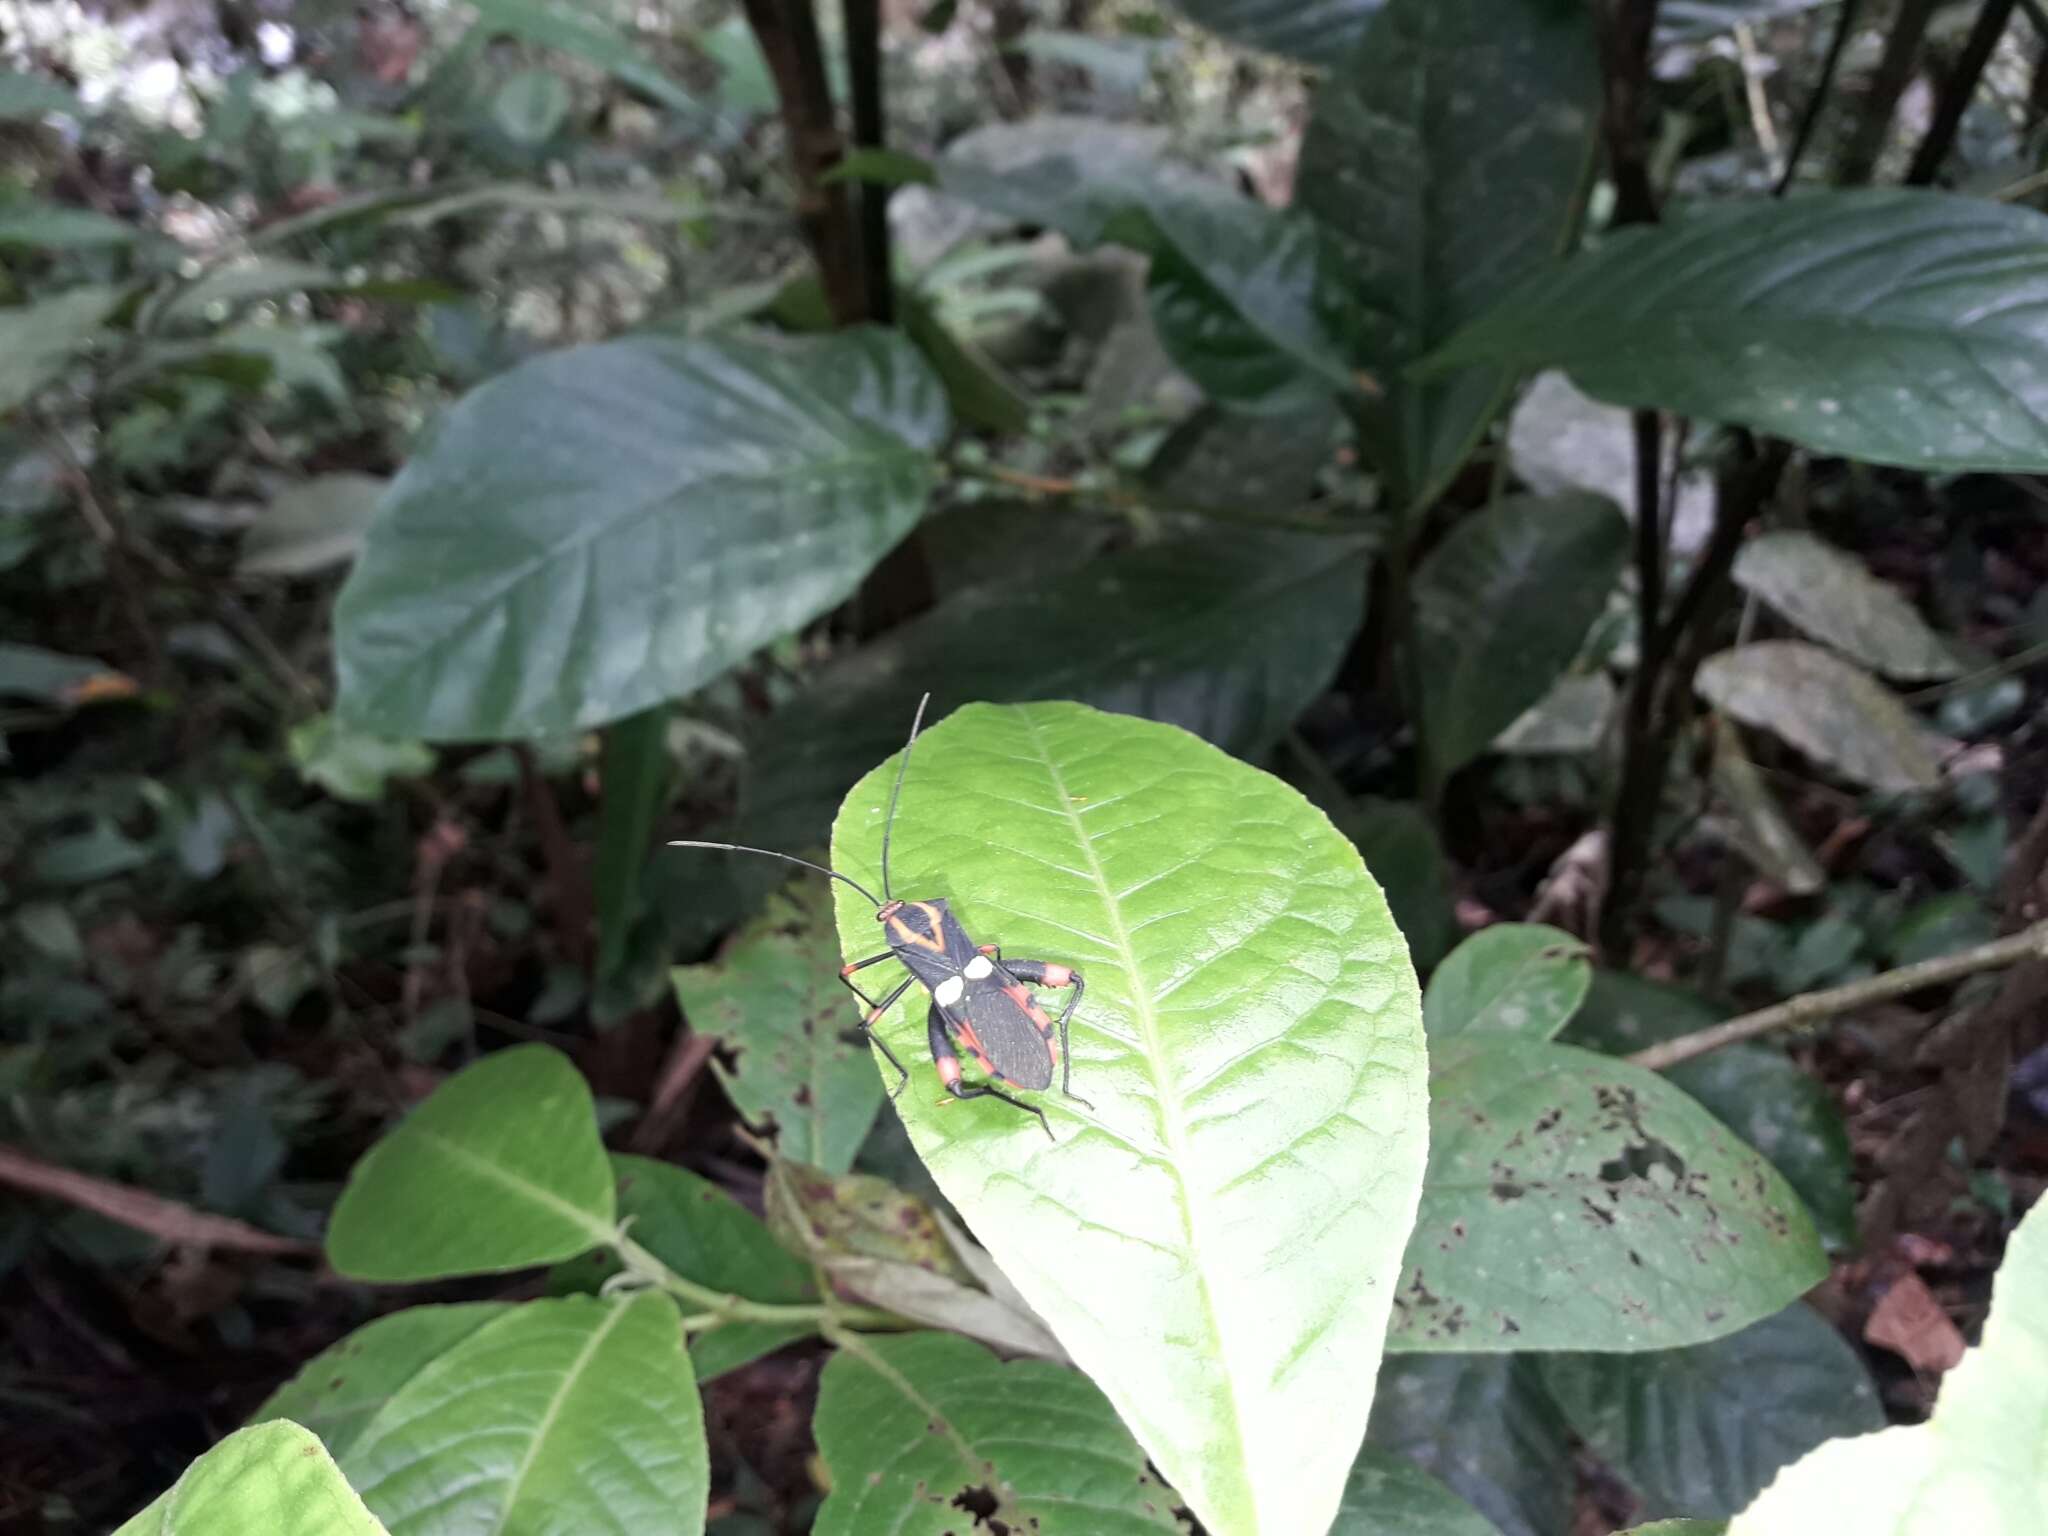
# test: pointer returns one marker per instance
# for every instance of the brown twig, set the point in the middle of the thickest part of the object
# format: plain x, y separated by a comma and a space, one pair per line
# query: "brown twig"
787, 31
1957, 90
168, 1220
672, 1096
2029, 944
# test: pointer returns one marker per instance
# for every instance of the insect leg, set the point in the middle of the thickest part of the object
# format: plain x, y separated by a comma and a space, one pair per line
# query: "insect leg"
873, 1016
846, 975
1043, 973
948, 1063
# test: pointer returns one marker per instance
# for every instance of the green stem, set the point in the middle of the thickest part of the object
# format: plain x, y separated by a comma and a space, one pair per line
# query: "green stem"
717, 1308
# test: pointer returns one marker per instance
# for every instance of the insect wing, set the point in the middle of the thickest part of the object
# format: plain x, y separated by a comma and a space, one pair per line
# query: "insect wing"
1007, 1035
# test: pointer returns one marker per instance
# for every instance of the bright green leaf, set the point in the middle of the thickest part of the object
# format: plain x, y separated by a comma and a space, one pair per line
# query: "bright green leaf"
917, 1429
1515, 978
1830, 596
568, 1415
1484, 1426
1980, 1464
1678, 1233
1445, 156
338, 1391
1755, 1090
1833, 711
1388, 1493
1891, 325
274, 1478
500, 1169
311, 527
776, 1000
1705, 1428
1502, 606
606, 528
1214, 1241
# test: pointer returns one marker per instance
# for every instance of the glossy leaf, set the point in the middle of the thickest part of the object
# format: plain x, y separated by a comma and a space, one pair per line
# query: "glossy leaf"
311, 527
1445, 158
602, 529
567, 1415
1755, 1090
1900, 326
37, 340
1388, 1493
1214, 1241
1704, 1429
1678, 1233
775, 999
338, 1391
1830, 596
925, 1434
273, 1477
500, 1169
1484, 1426
1502, 606
1976, 1465
1834, 712
885, 1246
705, 1235
1523, 979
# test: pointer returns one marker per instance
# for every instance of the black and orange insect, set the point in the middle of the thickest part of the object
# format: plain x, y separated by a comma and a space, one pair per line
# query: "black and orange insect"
981, 1002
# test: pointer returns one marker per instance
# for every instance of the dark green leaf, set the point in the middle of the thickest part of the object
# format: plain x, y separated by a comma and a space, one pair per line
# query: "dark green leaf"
1483, 1424
578, 31
634, 777
1678, 1233
311, 527
530, 106
500, 1169
1445, 157
1400, 847
26, 97
49, 677
1502, 606
1754, 1090
53, 227
1515, 978
37, 340
604, 529
273, 1477
1704, 1429
83, 858
339, 1390
1198, 1241
1313, 31
1754, 823
572, 1414
1388, 1493
1891, 325
776, 1000
1833, 711
919, 1430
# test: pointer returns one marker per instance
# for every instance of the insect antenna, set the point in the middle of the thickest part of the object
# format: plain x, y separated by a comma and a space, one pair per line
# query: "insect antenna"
788, 858
896, 794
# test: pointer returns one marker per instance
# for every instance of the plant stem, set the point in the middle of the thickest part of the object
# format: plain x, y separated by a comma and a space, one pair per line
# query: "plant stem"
787, 31
864, 74
1894, 73
718, 1308
2028, 944
1809, 119
1957, 90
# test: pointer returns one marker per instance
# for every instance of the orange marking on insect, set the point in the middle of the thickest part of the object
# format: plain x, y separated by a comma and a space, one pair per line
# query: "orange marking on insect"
1018, 995
1058, 975
949, 1071
988, 1067
935, 941
1037, 1016
968, 1038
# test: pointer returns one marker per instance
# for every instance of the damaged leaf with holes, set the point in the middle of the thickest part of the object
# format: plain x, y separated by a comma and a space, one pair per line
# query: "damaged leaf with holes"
1658, 1225
798, 1067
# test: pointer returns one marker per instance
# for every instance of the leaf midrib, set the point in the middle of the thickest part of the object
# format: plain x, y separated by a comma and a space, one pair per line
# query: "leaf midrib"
1163, 1093
600, 1231
546, 1422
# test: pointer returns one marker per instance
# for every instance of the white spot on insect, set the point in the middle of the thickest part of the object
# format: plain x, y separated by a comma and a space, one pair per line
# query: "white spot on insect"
979, 967
950, 991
